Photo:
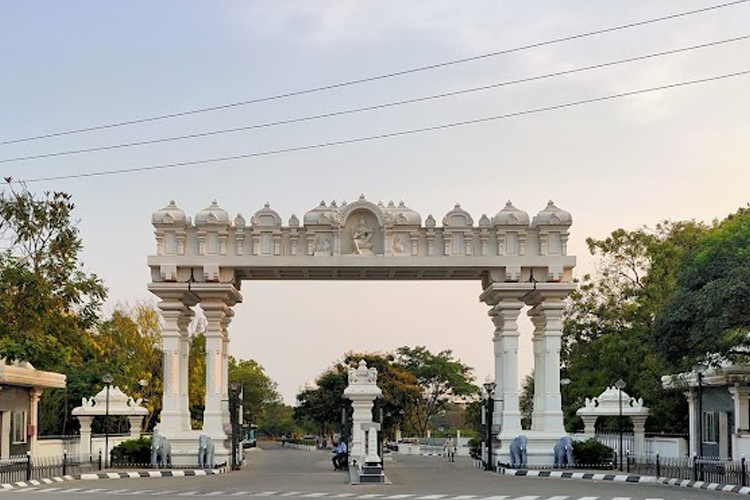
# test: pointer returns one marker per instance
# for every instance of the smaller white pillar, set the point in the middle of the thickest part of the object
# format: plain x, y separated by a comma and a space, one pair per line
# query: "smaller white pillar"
34, 394
589, 425
362, 391
639, 434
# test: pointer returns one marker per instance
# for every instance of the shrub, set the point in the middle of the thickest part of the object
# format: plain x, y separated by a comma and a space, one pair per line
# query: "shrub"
592, 452
132, 451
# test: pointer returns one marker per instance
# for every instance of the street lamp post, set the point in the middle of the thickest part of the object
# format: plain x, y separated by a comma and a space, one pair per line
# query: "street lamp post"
107, 379
489, 388
234, 421
620, 384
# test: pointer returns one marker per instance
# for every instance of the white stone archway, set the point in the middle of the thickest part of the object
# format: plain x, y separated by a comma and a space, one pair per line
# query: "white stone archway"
613, 403
519, 262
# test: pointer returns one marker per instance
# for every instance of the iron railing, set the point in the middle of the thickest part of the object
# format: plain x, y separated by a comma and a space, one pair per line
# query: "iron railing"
26, 467
709, 469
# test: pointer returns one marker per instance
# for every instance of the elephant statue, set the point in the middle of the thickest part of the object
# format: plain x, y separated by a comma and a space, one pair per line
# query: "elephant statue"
518, 451
161, 451
564, 452
205, 452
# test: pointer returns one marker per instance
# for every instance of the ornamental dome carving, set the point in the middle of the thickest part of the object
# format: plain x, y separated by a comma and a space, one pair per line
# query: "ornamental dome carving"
322, 214
239, 221
458, 217
430, 221
293, 221
402, 215
266, 217
171, 214
212, 215
510, 216
552, 216
484, 221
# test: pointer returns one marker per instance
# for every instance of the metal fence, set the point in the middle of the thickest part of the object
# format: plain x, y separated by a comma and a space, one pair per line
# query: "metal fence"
712, 470
26, 467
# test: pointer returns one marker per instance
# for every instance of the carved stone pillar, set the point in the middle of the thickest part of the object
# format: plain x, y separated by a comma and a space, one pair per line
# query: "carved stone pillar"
639, 434
213, 414
537, 345
229, 314
34, 395
173, 406
589, 425
508, 416
186, 315
546, 314
85, 422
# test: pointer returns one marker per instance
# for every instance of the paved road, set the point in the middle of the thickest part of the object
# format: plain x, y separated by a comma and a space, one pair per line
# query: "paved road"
282, 472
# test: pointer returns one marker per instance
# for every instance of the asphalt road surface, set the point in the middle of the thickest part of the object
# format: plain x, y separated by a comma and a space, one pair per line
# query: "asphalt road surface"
273, 471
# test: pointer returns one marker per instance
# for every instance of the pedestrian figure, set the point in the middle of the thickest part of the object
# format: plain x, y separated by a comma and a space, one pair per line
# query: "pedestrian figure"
340, 457
449, 450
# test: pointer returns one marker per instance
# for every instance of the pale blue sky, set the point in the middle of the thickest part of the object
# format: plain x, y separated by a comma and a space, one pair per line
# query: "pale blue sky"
677, 154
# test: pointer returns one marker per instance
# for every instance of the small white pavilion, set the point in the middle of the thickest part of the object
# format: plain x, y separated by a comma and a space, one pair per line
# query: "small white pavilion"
612, 403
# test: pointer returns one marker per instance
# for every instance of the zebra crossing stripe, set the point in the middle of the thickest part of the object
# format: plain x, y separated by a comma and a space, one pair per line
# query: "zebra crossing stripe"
496, 497
291, 494
314, 495
344, 495
371, 495
404, 495
431, 497
214, 493
464, 497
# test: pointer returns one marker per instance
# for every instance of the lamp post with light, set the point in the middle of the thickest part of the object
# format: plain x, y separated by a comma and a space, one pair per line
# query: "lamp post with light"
489, 388
620, 384
107, 379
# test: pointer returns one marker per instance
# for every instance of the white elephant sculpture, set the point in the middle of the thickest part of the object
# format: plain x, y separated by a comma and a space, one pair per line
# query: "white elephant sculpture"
205, 451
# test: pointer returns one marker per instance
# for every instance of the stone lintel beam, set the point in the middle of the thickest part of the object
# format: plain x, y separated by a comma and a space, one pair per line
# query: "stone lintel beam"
191, 294
542, 292
496, 292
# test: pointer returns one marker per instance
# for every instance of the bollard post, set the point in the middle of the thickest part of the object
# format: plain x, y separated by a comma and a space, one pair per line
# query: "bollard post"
658, 465
28, 465
65, 462
100, 459
744, 471
627, 462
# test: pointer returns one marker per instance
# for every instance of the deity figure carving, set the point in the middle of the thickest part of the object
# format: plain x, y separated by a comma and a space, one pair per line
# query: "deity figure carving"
398, 246
362, 238
323, 244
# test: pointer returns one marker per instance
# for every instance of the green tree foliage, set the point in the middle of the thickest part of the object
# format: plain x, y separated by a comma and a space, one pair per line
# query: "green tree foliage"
197, 375
258, 390
526, 401
47, 300
278, 420
709, 313
319, 409
440, 378
608, 327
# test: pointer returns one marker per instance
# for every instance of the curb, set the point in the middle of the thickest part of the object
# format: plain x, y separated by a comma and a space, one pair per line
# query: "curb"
114, 475
627, 478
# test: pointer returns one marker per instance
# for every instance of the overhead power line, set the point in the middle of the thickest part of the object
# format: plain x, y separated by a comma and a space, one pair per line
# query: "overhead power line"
388, 135
374, 78
373, 107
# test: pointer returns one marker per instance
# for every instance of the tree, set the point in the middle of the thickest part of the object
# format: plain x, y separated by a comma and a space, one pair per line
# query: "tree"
526, 401
320, 408
47, 300
709, 313
258, 391
439, 376
607, 332
278, 420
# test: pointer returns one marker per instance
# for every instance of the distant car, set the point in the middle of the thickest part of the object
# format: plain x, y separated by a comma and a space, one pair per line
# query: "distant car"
249, 443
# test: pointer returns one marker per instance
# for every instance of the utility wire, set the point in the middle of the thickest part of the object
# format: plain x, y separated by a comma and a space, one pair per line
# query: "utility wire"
373, 107
376, 77
388, 134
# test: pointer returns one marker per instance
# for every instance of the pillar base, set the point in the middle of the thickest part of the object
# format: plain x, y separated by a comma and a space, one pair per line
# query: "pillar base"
185, 447
539, 451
